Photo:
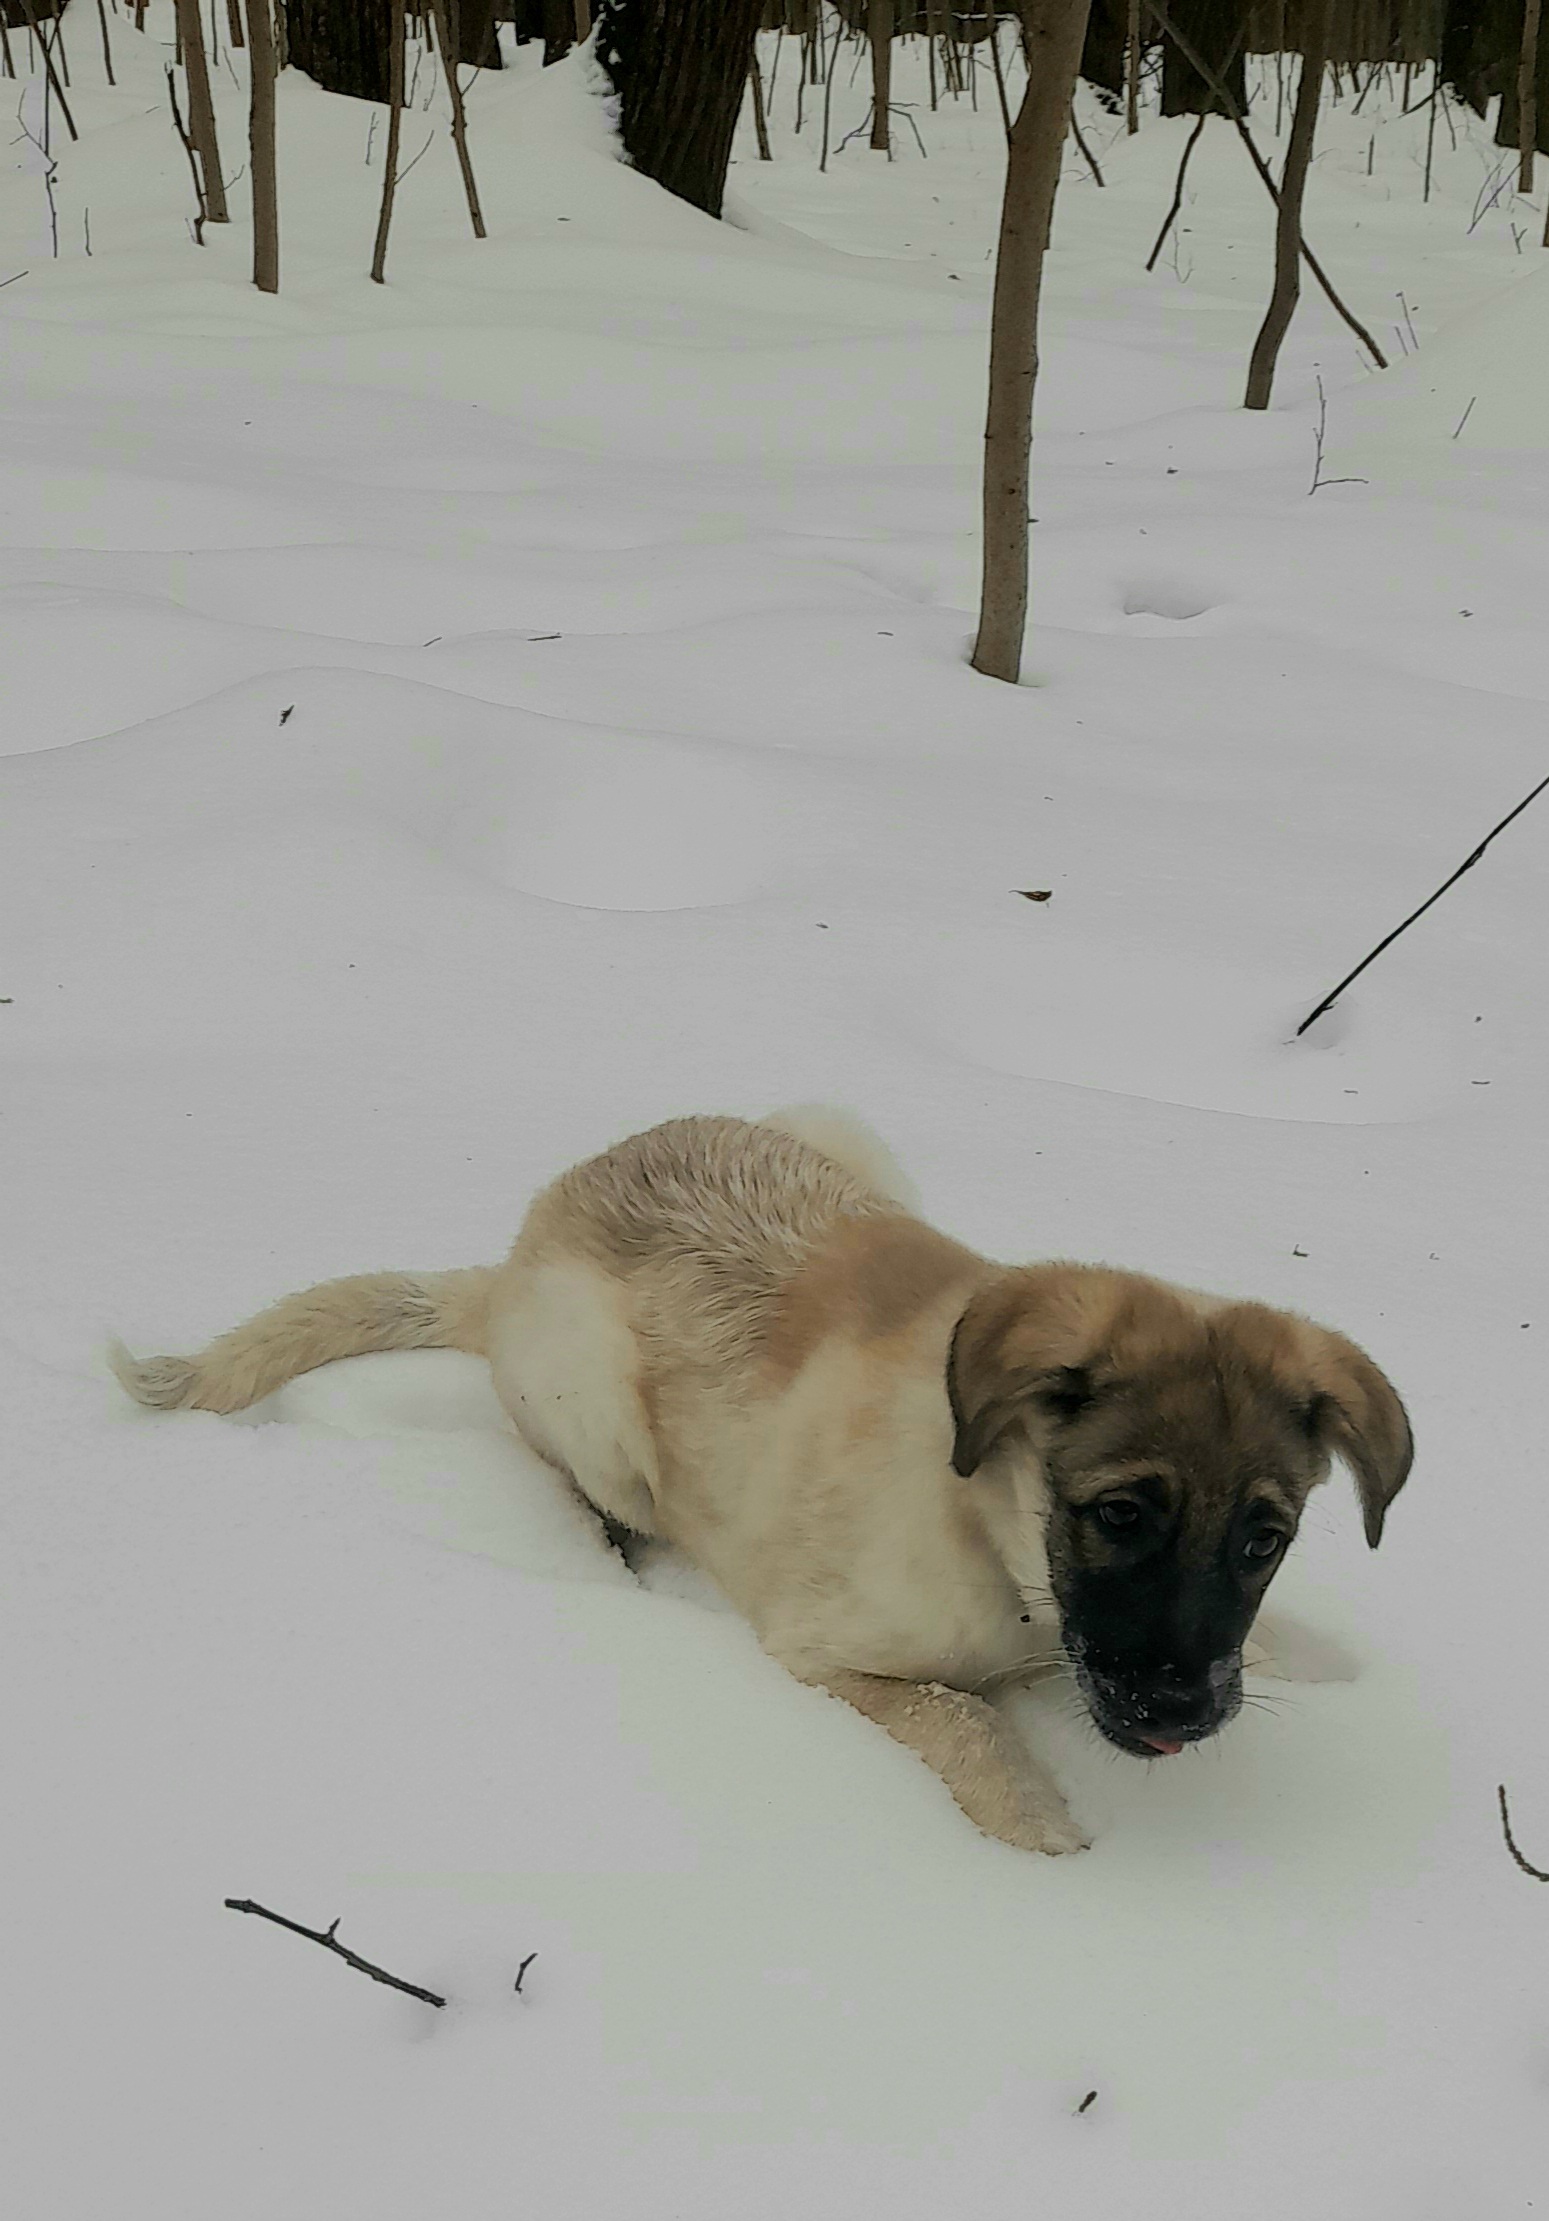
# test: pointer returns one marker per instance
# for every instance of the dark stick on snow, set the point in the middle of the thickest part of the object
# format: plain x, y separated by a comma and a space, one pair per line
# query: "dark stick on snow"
1536, 1872
326, 1937
1467, 864
522, 1969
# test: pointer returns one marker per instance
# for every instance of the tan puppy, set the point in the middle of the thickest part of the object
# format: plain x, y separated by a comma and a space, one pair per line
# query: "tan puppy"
917, 1473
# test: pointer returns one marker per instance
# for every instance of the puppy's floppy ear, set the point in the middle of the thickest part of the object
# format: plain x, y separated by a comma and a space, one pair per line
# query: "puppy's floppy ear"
1356, 1413
1026, 1342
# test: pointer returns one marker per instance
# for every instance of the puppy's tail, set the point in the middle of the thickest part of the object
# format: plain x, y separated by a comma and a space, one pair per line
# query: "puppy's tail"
341, 1318
850, 1142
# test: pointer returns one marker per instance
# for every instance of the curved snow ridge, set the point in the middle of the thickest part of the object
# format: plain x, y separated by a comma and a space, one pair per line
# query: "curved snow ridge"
1165, 1022
543, 806
1475, 386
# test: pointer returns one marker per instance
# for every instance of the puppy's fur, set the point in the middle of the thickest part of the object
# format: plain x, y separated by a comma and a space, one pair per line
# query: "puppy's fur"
919, 1475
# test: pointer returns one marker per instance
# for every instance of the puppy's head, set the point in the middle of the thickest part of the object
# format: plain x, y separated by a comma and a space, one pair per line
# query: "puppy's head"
1178, 1437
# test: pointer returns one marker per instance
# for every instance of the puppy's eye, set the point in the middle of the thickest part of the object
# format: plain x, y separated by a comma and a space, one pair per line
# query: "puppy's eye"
1266, 1544
1119, 1514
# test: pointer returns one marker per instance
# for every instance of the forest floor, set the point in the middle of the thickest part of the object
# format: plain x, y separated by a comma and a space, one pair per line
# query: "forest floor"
456, 723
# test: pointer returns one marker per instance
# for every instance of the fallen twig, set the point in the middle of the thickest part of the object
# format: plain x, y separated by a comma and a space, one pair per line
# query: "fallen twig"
327, 1938
1318, 431
522, 1969
1467, 864
1536, 1872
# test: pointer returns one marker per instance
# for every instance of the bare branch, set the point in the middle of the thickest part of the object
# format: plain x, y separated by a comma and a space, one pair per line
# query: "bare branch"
1222, 90
1536, 1872
327, 1937
1467, 864
193, 161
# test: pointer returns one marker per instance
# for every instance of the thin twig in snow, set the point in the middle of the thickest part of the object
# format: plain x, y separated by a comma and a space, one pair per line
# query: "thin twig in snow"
327, 1937
1536, 1872
1318, 431
1467, 864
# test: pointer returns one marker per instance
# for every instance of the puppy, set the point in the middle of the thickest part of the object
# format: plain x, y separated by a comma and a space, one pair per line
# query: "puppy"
919, 1474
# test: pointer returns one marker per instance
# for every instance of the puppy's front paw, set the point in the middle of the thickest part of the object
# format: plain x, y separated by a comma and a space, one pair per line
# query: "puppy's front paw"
1040, 1822
1052, 1833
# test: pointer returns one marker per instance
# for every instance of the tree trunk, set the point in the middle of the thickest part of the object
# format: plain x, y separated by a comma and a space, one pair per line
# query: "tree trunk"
679, 68
1102, 49
343, 45
1288, 216
201, 109
398, 32
260, 136
558, 30
760, 116
1054, 30
476, 35
879, 35
446, 39
1215, 29
1527, 95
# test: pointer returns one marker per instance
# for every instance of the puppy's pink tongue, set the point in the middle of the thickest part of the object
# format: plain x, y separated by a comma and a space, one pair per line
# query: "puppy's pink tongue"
1162, 1743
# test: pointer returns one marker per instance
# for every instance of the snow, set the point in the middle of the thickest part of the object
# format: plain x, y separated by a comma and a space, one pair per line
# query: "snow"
341, 905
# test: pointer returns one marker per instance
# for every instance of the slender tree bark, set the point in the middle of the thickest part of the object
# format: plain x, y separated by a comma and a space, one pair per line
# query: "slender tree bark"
201, 213
760, 117
234, 29
680, 68
201, 109
879, 36
107, 50
1132, 71
34, 17
1054, 30
398, 34
446, 39
1000, 80
583, 21
1288, 215
261, 155
1527, 95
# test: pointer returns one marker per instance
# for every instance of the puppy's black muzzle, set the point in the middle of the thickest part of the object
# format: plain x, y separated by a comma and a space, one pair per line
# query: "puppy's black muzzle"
1154, 1711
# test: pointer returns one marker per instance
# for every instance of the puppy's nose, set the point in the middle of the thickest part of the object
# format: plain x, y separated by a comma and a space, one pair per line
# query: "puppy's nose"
1174, 1703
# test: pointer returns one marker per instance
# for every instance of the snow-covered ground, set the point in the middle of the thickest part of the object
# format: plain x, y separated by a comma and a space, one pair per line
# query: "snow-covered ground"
457, 723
